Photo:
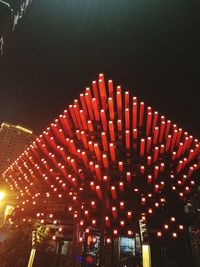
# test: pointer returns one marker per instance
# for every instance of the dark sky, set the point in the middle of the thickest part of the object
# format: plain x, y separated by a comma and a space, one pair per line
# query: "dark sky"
150, 47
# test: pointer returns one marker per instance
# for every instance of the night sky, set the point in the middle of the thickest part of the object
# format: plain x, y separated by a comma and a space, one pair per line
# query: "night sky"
150, 47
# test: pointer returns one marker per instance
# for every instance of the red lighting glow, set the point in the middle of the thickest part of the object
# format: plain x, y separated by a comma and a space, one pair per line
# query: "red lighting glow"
107, 149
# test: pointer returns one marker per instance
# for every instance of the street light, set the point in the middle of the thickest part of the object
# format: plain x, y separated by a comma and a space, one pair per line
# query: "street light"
2, 195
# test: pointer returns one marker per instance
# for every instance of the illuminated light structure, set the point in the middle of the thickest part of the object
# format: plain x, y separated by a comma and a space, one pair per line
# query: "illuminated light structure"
113, 160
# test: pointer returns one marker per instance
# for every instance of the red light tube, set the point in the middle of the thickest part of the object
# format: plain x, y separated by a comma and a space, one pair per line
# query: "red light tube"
142, 147
128, 176
127, 133
83, 119
103, 95
97, 151
141, 116
119, 125
121, 186
73, 116
148, 148
112, 131
98, 172
155, 136
174, 136
77, 115
95, 91
127, 119
119, 102
99, 192
155, 120
110, 88
169, 138
112, 152
114, 212
89, 106
134, 133
149, 160
103, 120
148, 127
127, 99
105, 161
134, 115
104, 141
111, 108
162, 130
156, 152
113, 192
96, 109
90, 126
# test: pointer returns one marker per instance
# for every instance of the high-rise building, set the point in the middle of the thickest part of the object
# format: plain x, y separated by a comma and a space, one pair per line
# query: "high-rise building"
13, 140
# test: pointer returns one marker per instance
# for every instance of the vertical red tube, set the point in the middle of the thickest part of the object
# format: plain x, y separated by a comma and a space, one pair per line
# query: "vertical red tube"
83, 120
149, 119
111, 108
156, 172
149, 160
119, 102
103, 120
127, 133
155, 119
103, 95
127, 119
128, 176
156, 152
84, 107
121, 186
95, 91
84, 139
112, 152
180, 131
174, 136
89, 106
105, 161
119, 125
155, 137
180, 148
77, 115
167, 129
98, 172
127, 99
73, 116
97, 151
134, 115
114, 212
113, 192
104, 141
90, 126
134, 133
162, 129
162, 149
141, 116
96, 109
169, 138
111, 131
99, 192
148, 148
110, 88
142, 147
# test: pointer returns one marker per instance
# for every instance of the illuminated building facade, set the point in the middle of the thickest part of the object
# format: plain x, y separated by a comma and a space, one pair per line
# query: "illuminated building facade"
14, 139
120, 167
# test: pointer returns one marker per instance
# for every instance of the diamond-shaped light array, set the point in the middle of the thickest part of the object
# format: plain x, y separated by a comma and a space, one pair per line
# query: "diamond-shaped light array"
112, 160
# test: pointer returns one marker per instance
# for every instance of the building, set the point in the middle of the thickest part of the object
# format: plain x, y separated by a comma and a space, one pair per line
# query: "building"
14, 139
123, 172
